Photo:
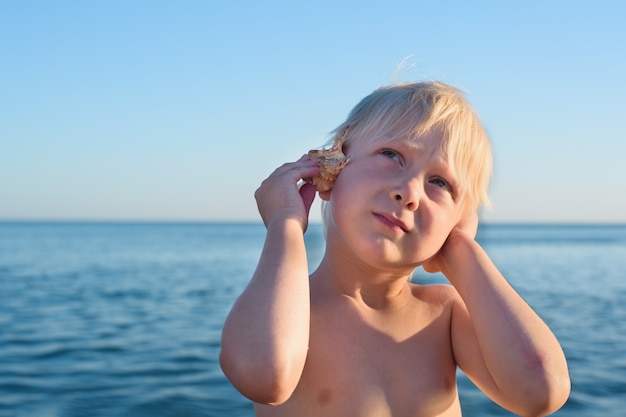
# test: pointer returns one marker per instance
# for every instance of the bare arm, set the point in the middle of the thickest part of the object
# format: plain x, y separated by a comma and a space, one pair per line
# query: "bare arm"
498, 340
265, 337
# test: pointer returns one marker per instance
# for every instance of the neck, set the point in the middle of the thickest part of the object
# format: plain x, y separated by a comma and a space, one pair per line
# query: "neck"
374, 288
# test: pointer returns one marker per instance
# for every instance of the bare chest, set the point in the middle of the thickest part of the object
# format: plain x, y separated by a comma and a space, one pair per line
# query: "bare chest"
355, 367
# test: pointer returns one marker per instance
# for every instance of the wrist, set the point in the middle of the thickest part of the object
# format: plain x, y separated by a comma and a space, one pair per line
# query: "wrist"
286, 224
456, 254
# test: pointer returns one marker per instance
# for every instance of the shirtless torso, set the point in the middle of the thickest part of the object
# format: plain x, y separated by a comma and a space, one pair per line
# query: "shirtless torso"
367, 362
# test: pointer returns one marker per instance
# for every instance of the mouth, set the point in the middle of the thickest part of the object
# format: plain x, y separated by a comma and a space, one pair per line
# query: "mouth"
392, 222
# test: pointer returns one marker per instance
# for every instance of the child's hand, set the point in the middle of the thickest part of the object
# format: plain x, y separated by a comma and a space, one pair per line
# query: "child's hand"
278, 197
468, 225
464, 230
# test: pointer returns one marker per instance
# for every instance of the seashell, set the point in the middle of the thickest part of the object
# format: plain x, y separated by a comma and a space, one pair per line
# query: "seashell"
331, 162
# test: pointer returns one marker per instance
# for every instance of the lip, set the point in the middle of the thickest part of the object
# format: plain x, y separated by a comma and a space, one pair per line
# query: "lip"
392, 221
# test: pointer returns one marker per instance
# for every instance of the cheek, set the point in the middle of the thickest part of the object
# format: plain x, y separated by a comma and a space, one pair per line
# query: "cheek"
348, 194
438, 224
444, 219
348, 181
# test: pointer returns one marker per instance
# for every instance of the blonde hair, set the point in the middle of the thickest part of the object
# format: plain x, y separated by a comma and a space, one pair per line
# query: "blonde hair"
414, 109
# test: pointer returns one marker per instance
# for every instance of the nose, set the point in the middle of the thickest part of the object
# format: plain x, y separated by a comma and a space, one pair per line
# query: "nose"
407, 194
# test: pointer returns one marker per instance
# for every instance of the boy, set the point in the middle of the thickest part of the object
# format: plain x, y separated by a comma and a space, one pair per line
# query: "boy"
357, 338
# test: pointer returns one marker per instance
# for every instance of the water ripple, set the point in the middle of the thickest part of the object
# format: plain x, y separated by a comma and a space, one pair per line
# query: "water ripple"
125, 319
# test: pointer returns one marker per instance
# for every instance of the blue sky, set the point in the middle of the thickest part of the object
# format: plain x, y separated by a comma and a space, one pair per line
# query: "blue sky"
155, 110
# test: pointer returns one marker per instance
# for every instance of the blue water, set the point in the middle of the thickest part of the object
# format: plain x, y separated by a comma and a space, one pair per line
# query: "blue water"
123, 319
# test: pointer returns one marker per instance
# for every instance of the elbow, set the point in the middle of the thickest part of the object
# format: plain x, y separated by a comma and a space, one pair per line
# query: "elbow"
561, 388
556, 395
547, 402
258, 380
556, 385
548, 394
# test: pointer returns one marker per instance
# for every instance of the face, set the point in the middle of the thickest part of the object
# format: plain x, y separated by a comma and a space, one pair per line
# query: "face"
395, 203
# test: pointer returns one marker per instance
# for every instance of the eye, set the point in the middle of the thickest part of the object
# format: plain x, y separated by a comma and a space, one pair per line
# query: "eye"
441, 183
391, 154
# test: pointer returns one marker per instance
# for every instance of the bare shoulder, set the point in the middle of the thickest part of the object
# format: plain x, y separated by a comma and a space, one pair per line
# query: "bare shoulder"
435, 303
439, 294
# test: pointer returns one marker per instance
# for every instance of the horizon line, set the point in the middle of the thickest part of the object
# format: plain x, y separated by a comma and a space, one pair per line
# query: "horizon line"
312, 222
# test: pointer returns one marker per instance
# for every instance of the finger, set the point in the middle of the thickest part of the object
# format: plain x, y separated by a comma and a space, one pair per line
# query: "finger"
303, 172
303, 163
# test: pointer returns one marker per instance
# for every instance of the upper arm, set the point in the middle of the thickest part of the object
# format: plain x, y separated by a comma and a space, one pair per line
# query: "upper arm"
466, 349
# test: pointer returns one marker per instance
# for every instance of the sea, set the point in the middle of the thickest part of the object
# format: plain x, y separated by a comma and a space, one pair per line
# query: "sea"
124, 319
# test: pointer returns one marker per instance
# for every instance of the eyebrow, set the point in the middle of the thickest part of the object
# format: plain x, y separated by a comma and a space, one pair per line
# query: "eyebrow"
413, 146
410, 144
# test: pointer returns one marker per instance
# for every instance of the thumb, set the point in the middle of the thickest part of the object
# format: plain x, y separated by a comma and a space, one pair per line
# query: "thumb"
307, 192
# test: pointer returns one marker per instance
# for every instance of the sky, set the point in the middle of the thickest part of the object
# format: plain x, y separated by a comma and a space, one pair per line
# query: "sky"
163, 110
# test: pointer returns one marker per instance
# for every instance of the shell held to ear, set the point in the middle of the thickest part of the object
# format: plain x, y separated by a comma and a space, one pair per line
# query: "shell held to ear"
331, 162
